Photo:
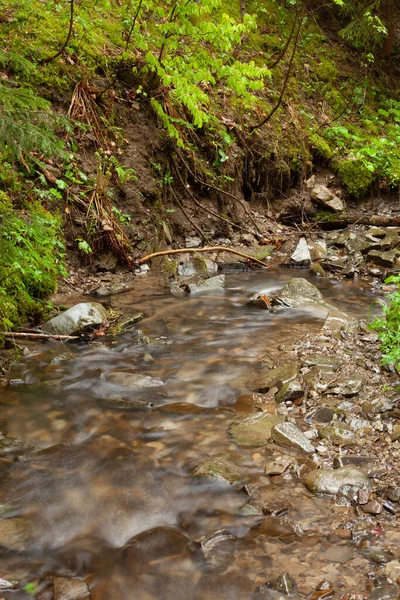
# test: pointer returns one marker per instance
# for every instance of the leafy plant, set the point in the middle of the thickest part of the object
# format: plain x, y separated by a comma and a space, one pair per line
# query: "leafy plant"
388, 326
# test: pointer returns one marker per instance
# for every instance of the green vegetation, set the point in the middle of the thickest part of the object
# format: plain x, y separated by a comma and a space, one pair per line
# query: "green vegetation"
388, 326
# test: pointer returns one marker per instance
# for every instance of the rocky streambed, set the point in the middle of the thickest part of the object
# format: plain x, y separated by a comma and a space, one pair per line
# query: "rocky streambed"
243, 444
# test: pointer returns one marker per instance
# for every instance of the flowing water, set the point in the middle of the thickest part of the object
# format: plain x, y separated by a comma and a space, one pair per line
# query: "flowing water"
103, 474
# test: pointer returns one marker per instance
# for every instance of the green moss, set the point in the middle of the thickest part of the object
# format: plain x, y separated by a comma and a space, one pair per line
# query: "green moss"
355, 176
30, 261
326, 70
320, 146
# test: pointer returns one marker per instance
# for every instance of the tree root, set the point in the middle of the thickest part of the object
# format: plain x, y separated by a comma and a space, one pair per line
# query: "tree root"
205, 249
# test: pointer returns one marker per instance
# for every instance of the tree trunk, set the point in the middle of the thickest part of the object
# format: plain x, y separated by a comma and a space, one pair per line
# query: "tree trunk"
389, 20
242, 9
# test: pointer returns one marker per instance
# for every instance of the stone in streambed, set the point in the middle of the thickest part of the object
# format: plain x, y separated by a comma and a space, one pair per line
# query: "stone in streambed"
329, 481
11, 447
77, 319
301, 256
318, 250
70, 589
345, 387
290, 392
322, 361
220, 467
296, 292
267, 380
15, 534
288, 435
134, 380
385, 592
383, 259
127, 404
211, 284
336, 434
254, 430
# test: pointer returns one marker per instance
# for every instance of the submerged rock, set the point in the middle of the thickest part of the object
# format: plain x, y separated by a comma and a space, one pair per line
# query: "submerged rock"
15, 534
11, 447
127, 404
273, 378
254, 430
327, 199
220, 467
287, 434
70, 589
77, 319
385, 592
134, 380
329, 481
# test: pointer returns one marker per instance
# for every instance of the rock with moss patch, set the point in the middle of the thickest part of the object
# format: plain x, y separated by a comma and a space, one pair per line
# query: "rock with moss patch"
290, 392
330, 481
220, 467
317, 270
77, 319
255, 430
337, 434
297, 292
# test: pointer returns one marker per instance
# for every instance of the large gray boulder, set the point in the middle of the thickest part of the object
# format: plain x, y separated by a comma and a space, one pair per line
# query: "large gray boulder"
329, 481
298, 291
77, 319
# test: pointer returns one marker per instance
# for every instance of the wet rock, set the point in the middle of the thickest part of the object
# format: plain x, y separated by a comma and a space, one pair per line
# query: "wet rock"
392, 570
337, 320
323, 196
254, 430
383, 259
213, 283
134, 380
323, 361
11, 447
7, 585
260, 301
278, 465
287, 434
296, 292
77, 319
336, 434
393, 494
301, 256
274, 527
317, 270
278, 377
329, 481
345, 387
283, 583
125, 324
127, 404
290, 392
220, 467
70, 589
15, 534
193, 242
337, 554
158, 544
385, 592
219, 549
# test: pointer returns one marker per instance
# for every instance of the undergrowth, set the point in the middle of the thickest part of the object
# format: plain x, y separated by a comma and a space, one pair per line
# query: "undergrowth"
388, 326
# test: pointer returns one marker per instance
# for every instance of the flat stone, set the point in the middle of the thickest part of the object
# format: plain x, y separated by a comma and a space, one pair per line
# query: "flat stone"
302, 254
106, 262
77, 319
366, 463
15, 534
373, 507
329, 481
327, 199
324, 361
336, 434
222, 468
134, 380
193, 242
278, 377
346, 387
337, 320
290, 392
337, 554
213, 283
278, 465
383, 259
323, 414
287, 434
70, 589
254, 430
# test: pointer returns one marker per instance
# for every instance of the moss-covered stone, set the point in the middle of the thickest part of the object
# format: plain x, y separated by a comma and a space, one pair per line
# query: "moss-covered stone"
355, 176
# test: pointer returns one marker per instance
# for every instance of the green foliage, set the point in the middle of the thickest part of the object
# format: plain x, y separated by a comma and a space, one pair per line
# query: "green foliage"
355, 176
321, 146
388, 326
30, 261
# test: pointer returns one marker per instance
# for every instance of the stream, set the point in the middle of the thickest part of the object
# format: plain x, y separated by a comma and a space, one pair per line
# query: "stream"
108, 496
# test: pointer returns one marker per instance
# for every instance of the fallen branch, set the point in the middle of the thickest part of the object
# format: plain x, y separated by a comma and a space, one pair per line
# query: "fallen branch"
205, 249
38, 336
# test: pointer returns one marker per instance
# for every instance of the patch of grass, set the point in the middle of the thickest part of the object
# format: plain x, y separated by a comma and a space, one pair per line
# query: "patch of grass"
388, 326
